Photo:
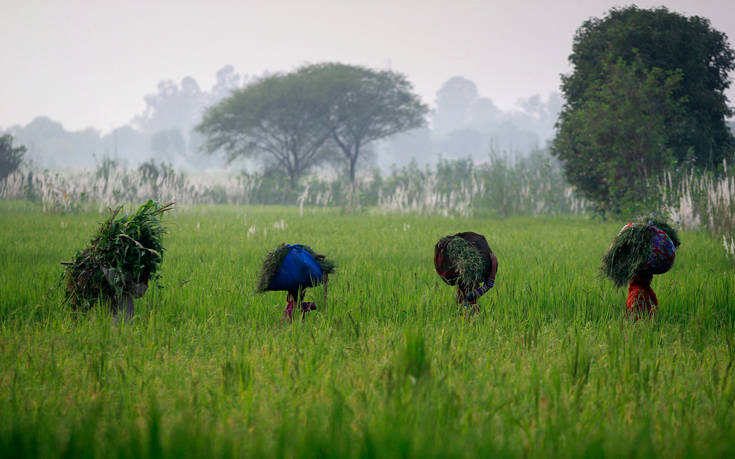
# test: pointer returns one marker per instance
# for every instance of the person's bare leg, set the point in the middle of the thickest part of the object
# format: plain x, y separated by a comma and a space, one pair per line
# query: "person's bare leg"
124, 308
291, 299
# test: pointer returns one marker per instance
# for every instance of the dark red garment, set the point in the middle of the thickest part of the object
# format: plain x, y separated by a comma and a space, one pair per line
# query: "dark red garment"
445, 267
295, 297
641, 298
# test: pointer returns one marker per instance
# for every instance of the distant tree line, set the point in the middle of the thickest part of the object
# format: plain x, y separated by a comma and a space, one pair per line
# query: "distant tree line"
463, 123
163, 130
646, 95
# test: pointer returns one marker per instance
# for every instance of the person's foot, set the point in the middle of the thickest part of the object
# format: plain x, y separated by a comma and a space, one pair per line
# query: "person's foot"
470, 309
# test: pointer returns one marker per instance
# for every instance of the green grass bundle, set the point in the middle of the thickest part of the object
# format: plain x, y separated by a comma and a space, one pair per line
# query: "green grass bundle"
274, 258
629, 252
467, 261
125, 250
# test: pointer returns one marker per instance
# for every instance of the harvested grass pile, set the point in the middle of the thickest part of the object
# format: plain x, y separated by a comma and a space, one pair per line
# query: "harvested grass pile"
274, 259
467, 261
631, 250
125, 250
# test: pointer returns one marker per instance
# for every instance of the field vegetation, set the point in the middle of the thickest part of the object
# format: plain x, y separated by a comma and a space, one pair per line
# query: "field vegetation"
389, 367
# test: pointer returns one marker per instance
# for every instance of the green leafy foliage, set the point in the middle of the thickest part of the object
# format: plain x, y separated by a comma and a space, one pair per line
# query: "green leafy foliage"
672, 42
617, 141
10, 157
129, 248
646, 93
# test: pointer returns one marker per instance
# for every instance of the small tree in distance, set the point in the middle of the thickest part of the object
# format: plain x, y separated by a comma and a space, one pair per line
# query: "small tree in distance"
277, 118
365, 105
296, 120
10, 157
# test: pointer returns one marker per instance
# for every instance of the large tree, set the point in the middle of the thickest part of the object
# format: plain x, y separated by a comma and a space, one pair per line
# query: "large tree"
614, 143
10, 156
364, 105
656, 39
299, 118
278, 118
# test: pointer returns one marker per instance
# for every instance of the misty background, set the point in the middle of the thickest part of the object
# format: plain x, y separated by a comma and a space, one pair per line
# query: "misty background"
463, 124
84, 81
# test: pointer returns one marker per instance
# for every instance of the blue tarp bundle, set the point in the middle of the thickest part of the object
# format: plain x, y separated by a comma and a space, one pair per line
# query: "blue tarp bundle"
299, 269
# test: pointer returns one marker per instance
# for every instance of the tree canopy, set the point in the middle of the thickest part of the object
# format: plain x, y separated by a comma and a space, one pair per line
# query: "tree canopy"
296, 119
614, 143
364, 105
279, 117
661, 39
10, 156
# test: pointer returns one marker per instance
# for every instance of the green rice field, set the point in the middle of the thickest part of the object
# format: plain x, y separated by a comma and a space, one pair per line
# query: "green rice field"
389, 366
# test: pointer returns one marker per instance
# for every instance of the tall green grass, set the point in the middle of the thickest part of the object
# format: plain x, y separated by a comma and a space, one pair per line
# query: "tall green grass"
388, 367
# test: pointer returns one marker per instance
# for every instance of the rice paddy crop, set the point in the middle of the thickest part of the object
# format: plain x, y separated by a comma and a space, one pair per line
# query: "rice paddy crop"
387, 367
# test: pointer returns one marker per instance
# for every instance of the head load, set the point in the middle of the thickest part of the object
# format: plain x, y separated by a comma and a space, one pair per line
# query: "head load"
292, 267
640, 249
125, 252
463, 258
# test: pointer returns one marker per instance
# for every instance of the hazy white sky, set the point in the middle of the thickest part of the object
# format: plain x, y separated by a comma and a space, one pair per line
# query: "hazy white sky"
89, 63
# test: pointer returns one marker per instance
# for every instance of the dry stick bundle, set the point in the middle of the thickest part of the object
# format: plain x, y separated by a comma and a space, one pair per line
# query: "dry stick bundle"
123, 252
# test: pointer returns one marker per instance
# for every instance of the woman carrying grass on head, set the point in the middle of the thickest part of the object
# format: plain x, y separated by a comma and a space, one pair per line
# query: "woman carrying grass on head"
124, 255
294, 268
639, 251
465, 260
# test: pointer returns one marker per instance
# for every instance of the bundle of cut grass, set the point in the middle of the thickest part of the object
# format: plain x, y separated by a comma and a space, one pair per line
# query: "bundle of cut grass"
467, 261
638, 248
464, 258
124, 251
292, 266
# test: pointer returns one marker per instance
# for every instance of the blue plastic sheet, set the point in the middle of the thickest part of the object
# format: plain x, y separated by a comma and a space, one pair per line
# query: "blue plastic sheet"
299, 269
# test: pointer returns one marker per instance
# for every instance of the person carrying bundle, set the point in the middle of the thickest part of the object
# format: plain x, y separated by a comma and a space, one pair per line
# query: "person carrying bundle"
294, 268
124, 255
638, 252
466, 260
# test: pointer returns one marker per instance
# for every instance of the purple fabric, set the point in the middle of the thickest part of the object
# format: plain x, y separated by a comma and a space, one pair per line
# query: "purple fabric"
478, 292
663, 254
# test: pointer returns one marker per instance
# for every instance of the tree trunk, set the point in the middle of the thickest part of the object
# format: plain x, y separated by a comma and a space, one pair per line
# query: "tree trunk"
292, 180
352, 158
354, 198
